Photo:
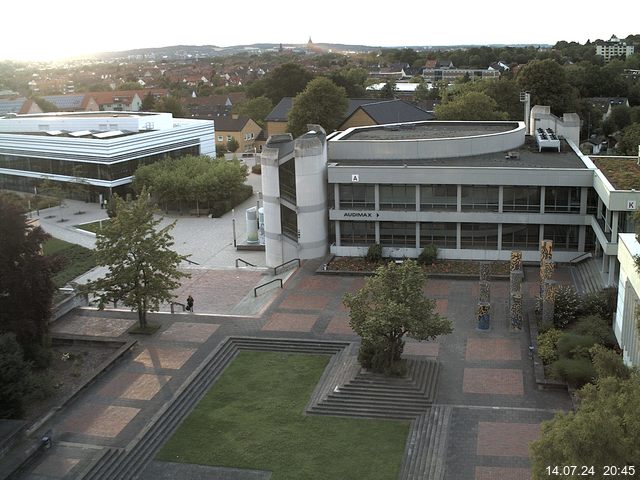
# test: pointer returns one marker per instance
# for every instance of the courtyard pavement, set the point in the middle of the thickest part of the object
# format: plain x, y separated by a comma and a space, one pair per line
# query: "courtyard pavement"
487, 377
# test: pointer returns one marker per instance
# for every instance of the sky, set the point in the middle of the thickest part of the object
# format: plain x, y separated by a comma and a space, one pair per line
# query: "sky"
49, 30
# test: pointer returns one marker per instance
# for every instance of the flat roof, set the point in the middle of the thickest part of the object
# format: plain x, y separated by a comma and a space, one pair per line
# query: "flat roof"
428, 130
527, 156
100, 114
622, 172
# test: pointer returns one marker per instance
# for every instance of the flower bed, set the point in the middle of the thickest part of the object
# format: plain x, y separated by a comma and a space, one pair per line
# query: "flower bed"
469, 268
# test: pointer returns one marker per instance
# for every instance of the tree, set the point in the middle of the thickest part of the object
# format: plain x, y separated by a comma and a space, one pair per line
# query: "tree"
390, 306
256, 109
148, 103
26, 286
232, 145
388, 91
285, 81
605, 430
171, 105
322, 102
143, 269
547, 82
15, 377
630, 140
470, 106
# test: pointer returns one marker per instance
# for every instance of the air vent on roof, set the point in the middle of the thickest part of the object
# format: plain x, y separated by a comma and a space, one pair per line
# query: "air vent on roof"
547, 139
512, 155
393, 128
408, 126
109, 134
80, 133
54, 133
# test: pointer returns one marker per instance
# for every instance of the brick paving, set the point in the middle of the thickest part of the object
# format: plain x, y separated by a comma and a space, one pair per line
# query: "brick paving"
493, 349
493, 381
506, 439
502, 473
486, 377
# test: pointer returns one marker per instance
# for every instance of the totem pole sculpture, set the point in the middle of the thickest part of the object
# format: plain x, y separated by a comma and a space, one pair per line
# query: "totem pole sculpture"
484, 300
516, 276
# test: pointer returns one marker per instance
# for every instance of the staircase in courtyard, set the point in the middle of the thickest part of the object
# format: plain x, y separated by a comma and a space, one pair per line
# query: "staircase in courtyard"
586, 276
359, 393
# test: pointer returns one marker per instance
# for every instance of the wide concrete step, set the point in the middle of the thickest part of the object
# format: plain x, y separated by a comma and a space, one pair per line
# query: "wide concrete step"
364, 412
426, 448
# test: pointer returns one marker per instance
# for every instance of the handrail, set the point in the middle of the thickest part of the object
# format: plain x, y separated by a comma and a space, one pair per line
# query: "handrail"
580, 257
244, 261
255, 290
275, 269
191, 261
184, 307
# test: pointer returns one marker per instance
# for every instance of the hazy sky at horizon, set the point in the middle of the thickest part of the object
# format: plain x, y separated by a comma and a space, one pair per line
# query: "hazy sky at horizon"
45, 30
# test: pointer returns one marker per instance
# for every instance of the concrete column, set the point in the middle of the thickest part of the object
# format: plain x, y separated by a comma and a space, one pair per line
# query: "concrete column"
417, 234
607, 222
614, 226
600, 204
582, 237
584, 193
337, 230
542, 197
417, 187
378, 232
500, 202
500, 233
459, 199
458, 234
611, 278
274, 249
377, 196
336, 196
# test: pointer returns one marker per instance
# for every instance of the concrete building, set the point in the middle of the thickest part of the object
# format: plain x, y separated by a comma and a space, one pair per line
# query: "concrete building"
614, 48
99, 149
625, 324
477, 190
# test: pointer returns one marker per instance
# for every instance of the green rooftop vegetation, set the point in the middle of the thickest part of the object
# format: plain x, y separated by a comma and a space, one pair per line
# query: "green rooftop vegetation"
623, 173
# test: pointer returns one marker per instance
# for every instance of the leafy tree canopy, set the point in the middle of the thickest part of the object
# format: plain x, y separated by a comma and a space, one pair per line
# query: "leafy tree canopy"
547, 82
322, 102
285, 81
605, 430
26, 287
143, 268
256, 109
629, 141
470, 106
391, 305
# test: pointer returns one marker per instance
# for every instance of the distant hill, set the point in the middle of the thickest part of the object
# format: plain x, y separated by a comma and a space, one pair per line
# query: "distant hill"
203, 51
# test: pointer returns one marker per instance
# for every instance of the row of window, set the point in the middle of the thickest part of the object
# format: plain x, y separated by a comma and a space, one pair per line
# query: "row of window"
481, 236
473, 198
247, 137
97, 171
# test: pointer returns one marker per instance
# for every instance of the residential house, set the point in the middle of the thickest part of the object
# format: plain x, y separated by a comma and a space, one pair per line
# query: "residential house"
212, 106
614, 48
385, 111
81, 102
606, 104
445, 71
125, 100
19, 105
243, 129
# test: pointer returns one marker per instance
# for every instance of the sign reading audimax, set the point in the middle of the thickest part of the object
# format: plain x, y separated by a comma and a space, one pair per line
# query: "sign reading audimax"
360, 214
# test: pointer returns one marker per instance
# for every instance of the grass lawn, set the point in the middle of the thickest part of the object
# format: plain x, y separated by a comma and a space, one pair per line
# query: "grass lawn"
253, 418
93, 226
76, 259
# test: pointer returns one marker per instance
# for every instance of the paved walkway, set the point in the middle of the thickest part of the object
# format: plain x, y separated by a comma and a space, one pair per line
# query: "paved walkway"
486, 377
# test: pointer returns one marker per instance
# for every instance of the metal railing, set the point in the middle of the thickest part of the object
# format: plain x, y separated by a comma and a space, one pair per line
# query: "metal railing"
255, 290
191, 261
184, 307
245, 262
579, 258
275, 269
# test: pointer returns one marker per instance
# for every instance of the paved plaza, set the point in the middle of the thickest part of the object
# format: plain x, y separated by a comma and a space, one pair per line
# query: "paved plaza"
486, 377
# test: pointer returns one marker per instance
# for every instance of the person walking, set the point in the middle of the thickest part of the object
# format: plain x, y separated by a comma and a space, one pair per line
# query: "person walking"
190, 303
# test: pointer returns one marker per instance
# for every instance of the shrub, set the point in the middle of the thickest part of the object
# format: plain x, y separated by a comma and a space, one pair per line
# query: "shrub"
15, 377
428, 255
548, 345
372, 356
598, 303
374, 254
257, 169
567, 306
596, 327
575, 371
571, 345
608, 363
223, 206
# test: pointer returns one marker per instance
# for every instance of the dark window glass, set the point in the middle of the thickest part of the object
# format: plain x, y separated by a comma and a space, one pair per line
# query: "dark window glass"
480, 197
354, 196
482, 236
521, 199
357, 233
562, 200
564, 237
398, 197
520, 236
439, 197
398, 234
442, 235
